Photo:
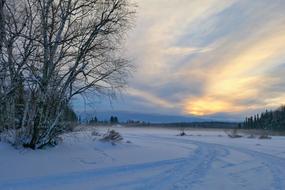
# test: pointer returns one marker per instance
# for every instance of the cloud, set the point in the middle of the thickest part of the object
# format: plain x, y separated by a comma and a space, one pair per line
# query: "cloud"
156, 101
207, 57
181, 51
159, 24
238, 70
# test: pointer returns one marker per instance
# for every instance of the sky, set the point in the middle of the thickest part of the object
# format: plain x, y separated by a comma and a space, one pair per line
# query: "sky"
221, 58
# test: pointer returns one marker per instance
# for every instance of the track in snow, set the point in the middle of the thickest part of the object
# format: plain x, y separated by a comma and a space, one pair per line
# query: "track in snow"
209, 166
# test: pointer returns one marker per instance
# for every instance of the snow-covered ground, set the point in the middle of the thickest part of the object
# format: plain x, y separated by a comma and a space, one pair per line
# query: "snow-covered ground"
155, 159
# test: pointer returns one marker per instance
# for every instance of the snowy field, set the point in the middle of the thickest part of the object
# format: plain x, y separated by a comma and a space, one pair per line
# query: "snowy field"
153, 159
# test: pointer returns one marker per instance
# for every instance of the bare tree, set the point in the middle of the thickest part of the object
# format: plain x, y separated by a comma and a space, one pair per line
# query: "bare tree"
1, 23
59, 49
15, 51
1, 57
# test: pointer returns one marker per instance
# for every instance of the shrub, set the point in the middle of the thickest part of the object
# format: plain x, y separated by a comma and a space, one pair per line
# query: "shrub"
233, 133
182, 132
15, 137
95, 133
112, 136
251, 136
264, 136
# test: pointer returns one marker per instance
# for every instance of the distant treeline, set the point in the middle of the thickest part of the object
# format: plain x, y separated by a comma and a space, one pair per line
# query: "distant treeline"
268, 120
135, 123
210, 124
94, 120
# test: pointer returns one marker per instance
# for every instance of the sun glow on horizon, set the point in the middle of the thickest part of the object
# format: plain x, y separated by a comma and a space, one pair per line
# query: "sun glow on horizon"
207, 106
221, 57
240, 77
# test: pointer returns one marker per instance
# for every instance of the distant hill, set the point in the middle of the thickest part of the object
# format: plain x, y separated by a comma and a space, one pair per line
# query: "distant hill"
125, 116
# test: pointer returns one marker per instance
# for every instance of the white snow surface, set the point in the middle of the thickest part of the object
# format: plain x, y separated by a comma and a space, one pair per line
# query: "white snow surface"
155, 159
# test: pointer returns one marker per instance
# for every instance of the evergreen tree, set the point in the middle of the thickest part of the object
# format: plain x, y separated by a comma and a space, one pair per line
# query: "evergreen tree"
269, 120
93, 121
114, 119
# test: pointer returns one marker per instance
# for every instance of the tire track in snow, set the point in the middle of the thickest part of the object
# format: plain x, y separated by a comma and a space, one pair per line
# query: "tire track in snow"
80, 177
273, 163
48, 182
182, 173
197, 166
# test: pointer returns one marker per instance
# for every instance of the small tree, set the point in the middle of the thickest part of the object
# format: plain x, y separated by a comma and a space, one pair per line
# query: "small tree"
93, 121
114, 120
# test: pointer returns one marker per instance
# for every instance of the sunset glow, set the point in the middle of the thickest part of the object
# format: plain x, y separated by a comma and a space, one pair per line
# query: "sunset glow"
206, 57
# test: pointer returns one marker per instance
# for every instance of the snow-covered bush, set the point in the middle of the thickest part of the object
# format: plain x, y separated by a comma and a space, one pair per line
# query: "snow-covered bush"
182, 132
20, 137
55, 141
95, 133
264, 135
15, 137
112, 136
233, 133
251, 136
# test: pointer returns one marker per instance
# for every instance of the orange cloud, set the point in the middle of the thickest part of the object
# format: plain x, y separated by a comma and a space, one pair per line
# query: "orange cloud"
230, 57
206, 106
240, 76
